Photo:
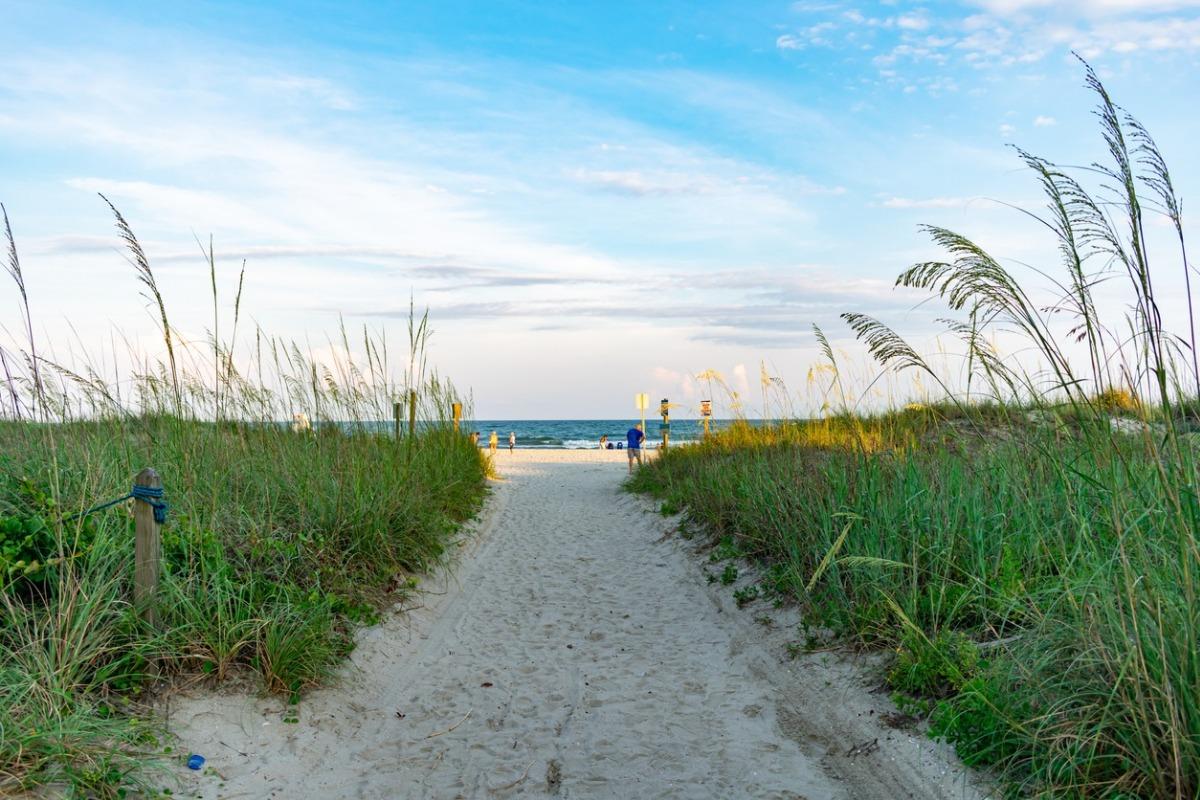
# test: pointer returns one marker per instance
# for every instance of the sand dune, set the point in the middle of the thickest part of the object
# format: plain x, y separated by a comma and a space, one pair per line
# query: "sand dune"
577, 651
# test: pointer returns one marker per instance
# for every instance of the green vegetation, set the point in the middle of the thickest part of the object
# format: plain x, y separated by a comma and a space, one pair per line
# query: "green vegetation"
281, 537
1033, 564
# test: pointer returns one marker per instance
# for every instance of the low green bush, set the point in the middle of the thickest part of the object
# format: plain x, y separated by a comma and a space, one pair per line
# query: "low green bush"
932, 666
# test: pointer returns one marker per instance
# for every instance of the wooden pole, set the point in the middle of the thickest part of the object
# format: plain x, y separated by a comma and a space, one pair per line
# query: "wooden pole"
396, 418
456, 410
147, 551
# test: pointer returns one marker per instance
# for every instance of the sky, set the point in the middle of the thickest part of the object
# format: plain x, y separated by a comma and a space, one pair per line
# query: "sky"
591, 199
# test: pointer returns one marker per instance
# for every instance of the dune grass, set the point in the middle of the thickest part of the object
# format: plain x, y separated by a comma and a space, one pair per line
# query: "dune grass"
281, 537
1032, 563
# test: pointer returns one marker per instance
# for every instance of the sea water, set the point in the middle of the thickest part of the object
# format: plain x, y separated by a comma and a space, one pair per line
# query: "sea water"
582, 434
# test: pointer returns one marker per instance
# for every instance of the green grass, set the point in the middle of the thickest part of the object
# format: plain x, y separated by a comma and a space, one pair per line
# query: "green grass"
1033, 570
1062, 544
278, 543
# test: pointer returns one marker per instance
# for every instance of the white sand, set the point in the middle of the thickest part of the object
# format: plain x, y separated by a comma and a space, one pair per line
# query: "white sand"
577, 651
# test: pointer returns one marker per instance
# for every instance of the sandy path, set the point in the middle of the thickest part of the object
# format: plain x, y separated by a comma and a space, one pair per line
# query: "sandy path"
577, 652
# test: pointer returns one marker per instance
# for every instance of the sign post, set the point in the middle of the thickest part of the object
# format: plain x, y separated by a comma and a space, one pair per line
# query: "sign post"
456, 411
705, 414
642, 402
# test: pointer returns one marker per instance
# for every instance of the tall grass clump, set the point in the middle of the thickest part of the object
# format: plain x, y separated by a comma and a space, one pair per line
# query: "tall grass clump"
1033, 557
294, 515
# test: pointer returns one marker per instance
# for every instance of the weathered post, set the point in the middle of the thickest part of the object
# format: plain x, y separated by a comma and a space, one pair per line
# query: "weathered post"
456, 412
147, 551
396, 419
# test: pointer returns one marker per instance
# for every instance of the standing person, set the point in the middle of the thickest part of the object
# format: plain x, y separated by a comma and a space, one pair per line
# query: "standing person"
475, 438
512, 440
493, 442
603, 440
635, 437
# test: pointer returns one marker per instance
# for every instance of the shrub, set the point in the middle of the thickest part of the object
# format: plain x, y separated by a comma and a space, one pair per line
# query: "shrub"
936, 666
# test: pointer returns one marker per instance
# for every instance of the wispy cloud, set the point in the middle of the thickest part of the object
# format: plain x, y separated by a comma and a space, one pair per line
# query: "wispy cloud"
304, 88
635, 182
929, 202
999, 34
912, 22
1087, 7
774, 315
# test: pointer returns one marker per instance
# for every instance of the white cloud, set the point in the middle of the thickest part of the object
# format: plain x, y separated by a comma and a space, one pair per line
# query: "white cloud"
1129, 35
1007, 130
1044, 122
303, 88
789, 41
666, 375
1087, 7
814, 8
635, 182
192, 208
1015, 33
741, 381
929, 202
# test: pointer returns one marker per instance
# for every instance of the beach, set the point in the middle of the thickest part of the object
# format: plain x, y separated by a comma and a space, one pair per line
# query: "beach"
574, 649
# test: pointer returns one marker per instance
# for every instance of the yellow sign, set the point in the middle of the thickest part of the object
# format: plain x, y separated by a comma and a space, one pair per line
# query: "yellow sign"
706, 408
641, 401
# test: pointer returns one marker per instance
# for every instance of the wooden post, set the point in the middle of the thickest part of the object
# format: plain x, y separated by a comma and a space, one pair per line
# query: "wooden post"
396, 418
147, 551
456, 411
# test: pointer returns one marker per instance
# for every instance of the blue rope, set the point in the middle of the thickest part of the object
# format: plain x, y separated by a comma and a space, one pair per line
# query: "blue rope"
147, 494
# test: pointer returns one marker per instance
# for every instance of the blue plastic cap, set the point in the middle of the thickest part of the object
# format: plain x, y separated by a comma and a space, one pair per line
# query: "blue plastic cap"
195, 761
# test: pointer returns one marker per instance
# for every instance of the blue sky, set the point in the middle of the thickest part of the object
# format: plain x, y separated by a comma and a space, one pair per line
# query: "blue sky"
593, 199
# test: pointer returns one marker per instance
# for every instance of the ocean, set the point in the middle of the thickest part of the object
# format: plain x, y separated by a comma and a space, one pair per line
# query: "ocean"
584, 434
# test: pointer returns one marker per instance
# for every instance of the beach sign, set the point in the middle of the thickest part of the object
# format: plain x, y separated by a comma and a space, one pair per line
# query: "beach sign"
706, 408
641, 401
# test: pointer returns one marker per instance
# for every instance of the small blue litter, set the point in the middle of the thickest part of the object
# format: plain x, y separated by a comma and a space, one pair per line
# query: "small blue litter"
195, 761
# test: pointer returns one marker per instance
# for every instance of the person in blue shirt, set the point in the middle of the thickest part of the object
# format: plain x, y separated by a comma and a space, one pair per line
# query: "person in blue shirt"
635, 437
